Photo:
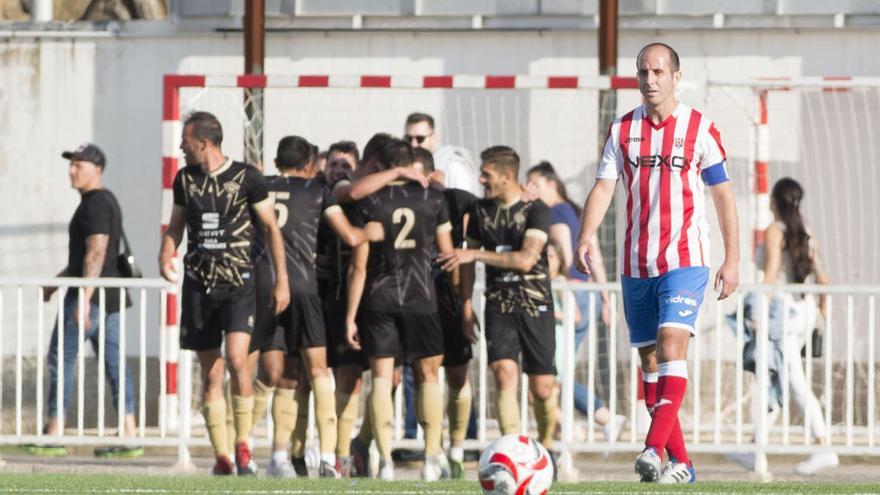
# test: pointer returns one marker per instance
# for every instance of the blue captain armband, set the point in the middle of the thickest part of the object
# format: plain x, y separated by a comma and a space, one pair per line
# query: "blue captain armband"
716, 174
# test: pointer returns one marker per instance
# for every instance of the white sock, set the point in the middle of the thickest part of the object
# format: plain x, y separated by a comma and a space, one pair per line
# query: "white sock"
279, 456
329, 458
456, 454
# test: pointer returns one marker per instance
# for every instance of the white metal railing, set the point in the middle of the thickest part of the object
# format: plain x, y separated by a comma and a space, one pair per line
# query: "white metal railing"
718, 427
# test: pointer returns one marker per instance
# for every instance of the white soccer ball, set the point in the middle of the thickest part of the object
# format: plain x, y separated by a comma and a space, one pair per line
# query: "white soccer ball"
515, 465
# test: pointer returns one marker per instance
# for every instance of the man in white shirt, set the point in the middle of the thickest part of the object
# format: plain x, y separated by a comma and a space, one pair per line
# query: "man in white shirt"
455, 162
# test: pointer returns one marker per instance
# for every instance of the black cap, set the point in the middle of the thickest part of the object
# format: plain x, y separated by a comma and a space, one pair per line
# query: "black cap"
87, 152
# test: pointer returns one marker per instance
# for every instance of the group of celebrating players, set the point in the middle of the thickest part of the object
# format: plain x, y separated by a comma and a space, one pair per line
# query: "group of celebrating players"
369, 264
357, 267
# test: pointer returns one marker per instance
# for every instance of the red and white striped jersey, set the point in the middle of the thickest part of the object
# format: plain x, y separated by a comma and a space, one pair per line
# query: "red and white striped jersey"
665, 169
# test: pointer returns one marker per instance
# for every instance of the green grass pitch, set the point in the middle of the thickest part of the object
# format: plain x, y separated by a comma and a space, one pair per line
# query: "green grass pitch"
157, 485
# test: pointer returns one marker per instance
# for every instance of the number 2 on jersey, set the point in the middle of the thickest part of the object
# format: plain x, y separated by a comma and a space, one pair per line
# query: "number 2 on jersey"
408, 218
280, 207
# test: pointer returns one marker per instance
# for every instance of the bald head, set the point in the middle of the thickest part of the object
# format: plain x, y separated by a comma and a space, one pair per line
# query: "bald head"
661, 49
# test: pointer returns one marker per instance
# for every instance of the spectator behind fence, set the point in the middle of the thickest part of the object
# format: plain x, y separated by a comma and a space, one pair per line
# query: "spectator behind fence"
93, 250
543, 183
455, 162
788, 255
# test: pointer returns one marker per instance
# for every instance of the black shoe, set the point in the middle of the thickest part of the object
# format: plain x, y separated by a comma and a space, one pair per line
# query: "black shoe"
472, 455
299, 465
407, 455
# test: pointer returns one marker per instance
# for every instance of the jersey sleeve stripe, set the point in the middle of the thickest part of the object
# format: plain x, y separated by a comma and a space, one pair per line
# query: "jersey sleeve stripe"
332, 210
713, 131
537, 234
444, 228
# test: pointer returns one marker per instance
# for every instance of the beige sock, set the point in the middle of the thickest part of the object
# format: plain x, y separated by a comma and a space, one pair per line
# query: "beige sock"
215, 421
430, 416
545, 416
230, 418
298, 442
508, 411
261, 399
382, 413
458, 410
243, 410
346, 413
284, 411
365, 434
325, 413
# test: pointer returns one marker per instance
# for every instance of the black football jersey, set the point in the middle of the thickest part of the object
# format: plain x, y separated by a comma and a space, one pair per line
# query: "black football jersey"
503, 229
300, 203
219, 224
459, 202
334, 257
399, 267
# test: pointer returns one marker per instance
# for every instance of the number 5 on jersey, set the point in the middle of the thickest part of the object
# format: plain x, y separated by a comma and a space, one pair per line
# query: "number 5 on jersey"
281, 208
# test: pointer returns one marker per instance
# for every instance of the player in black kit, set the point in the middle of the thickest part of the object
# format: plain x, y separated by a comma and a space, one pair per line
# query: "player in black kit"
302, 198
214, 199
398, 302
519, 303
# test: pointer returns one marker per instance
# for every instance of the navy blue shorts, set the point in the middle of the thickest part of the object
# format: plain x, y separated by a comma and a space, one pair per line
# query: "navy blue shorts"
670, 300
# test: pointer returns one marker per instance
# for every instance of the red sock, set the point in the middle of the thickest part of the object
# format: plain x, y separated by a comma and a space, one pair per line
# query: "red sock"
670, 392
675, 445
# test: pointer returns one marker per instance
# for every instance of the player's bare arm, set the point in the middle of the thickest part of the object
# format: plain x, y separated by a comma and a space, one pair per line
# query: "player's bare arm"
727, 278
595, 207
170, 240
93, 262
470, 324
357, 277
522, 260
265, 211
348, 233
365, 186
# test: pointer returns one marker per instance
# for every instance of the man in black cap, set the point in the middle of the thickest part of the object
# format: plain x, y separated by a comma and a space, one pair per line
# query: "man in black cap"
93, 249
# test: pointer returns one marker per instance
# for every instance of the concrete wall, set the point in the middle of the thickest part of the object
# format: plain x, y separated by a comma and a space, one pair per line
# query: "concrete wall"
58, 92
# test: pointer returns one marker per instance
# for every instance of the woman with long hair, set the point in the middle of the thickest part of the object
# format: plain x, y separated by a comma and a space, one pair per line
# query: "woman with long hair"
788, 255
543, 183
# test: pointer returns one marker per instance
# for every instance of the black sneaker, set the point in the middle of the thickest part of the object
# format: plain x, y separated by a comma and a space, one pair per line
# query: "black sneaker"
299, 465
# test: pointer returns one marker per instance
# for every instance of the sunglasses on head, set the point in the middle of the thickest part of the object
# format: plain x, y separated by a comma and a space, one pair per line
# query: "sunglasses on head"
417, 139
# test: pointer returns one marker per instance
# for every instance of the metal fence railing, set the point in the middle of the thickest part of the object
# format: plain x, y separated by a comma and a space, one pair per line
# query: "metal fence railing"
712, 416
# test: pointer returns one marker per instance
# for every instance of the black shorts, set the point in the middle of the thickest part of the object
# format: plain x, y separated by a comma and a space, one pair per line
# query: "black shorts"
268, 334
207, 314
509, 334
338, 351
457, 349
303, 323
411, 336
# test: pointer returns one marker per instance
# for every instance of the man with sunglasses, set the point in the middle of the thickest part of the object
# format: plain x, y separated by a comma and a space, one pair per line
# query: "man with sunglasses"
455, 162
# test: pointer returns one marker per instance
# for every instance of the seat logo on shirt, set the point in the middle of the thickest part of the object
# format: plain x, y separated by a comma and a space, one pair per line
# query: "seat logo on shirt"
650, 161
211, 220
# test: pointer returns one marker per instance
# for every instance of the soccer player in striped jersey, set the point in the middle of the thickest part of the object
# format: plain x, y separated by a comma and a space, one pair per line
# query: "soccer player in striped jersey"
666, 154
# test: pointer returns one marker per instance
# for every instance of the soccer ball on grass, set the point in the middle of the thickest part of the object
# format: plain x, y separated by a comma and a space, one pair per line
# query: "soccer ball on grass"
515, 465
